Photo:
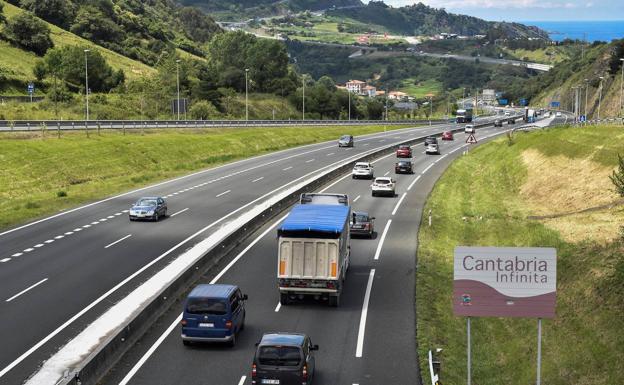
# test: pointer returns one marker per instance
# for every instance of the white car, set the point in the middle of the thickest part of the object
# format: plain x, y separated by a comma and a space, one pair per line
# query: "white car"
507, 113
362, 170
432, 148
469, 129
558, 113
383, 185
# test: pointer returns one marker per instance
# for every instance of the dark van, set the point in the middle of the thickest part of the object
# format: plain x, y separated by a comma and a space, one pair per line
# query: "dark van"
284, 359
213, 313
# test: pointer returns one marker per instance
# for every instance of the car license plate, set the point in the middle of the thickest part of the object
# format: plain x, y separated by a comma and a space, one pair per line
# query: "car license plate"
268, 381
206, 325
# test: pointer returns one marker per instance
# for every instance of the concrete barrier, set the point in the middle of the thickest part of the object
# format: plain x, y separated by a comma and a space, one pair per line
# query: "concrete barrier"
88, 367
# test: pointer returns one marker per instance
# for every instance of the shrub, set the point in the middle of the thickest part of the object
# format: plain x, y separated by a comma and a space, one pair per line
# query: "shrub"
61, 194
203, 110
28, 32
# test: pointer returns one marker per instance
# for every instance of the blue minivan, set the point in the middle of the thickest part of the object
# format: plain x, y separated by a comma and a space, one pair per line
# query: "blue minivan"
213, 313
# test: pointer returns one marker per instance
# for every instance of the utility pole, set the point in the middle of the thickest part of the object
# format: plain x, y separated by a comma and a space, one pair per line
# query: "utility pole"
430, 108
178, 83
387, 94
600, 96
246, 94
86, 51
349, 92
464, 98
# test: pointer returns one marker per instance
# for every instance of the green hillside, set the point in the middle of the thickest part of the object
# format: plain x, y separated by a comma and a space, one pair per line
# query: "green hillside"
549, 188
243, 9
16, 64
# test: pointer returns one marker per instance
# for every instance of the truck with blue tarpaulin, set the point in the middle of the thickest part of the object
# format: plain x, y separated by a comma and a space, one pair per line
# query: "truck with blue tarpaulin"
313, 252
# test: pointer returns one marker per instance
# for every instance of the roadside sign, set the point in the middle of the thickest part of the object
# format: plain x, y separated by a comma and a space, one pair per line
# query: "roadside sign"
524, 102
555, 104
471, 139
505, 282
31, 88
582, 118
503, 102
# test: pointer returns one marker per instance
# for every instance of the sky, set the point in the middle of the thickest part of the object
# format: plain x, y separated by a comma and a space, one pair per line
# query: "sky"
519, 10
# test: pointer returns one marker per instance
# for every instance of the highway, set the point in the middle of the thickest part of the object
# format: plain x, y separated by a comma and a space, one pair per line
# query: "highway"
59, 273
369, 339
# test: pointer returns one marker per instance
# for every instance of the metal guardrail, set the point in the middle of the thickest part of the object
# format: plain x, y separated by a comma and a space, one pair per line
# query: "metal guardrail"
37, 125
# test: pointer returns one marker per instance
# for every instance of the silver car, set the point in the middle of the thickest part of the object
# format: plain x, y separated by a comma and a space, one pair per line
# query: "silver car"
362, 170
152, 208
432, 148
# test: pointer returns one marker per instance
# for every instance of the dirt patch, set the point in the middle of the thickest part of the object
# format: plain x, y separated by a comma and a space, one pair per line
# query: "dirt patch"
558, 185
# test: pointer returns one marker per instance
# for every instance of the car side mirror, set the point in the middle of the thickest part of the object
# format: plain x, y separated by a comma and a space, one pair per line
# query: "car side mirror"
314, 347
373, 218
245, 297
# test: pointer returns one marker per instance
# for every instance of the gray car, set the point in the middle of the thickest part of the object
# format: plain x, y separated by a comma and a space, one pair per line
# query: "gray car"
345, 141
151, 208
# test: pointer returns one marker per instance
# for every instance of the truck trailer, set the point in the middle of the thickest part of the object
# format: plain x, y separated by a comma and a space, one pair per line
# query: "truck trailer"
464, 115
313, 252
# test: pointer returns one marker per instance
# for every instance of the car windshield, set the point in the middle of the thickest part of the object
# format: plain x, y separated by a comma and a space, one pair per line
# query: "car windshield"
360, 218
361, 166
403, 164
209, 306
404, 148
345, 137
146, 202
279, 355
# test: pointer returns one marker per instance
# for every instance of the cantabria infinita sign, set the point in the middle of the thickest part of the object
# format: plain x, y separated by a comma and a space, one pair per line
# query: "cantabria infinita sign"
505, 282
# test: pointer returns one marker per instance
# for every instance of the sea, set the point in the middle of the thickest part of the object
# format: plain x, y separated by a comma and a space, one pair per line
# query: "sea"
589, 30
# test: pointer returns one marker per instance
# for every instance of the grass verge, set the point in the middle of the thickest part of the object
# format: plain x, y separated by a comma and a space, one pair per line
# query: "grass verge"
483, 200
41, 174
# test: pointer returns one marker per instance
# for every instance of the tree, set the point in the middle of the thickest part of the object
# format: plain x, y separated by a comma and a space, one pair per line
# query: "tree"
59, 12
203, 110
28, 32
374, 109
618, 177
94, 25
67, 63
2, 17
197, 25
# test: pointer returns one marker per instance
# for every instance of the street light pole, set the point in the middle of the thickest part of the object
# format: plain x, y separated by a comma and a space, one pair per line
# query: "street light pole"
600, 96
246, 94
464, 98
430, 108
178, 83
86, 51
349, 92
303, 97
586, 93
621, 85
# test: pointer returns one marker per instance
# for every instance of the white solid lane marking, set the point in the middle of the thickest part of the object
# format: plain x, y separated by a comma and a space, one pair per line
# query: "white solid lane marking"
242, 380
17, 255
179, 212
427, 169
257, 179
223, 193
388, 172
117, 241
28, 250
176, 322
309, 161
413, 183
5, 260
356, 198
362, 329
278, 307
383, 238
25, 290
398, 203
287, 168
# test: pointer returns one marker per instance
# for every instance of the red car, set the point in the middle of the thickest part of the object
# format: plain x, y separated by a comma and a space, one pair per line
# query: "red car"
447, 135
404, 151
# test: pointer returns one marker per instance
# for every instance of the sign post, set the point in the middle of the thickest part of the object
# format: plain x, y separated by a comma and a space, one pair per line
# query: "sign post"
505, 282
31, 90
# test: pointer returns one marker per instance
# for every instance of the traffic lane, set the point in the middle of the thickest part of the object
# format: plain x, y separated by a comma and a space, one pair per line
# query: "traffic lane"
363, 251
50, 224
256, 276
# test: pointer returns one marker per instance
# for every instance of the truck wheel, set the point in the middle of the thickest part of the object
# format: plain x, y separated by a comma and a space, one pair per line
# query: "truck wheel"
334, 301
284, 299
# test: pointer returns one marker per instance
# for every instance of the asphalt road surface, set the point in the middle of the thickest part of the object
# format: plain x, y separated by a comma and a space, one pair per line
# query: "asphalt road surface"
58, 274
369, 340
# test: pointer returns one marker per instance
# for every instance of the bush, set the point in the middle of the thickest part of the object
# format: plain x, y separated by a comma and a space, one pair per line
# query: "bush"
203, 110
61, 194
59, 12
28, 32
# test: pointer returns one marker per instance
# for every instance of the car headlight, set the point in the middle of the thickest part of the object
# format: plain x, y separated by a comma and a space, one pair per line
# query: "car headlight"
151, 212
